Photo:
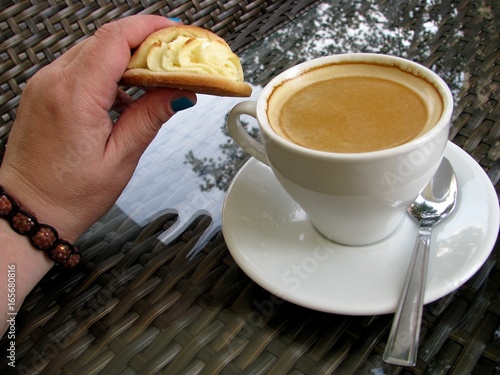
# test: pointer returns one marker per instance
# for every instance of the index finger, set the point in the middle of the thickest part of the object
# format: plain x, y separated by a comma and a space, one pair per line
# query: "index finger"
104, 56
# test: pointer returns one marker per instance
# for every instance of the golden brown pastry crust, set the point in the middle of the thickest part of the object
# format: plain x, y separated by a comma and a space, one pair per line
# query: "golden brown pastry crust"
137, 74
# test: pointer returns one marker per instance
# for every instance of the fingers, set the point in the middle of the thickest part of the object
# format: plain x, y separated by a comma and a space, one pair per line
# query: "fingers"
90, 73
106, 54
140, 121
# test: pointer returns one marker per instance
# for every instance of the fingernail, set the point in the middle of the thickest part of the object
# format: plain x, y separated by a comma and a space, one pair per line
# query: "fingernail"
181, 104
175, 19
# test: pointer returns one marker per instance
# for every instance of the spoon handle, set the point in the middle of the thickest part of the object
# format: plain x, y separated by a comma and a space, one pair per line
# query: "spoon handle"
401, 348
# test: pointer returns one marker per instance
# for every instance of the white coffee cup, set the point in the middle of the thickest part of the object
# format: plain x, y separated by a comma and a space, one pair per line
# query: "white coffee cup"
355, 198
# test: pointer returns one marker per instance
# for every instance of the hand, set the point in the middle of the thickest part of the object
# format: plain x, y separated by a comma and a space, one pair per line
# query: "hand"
65, 160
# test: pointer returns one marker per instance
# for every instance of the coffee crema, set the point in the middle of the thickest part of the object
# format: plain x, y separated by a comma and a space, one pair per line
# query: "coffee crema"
353, 108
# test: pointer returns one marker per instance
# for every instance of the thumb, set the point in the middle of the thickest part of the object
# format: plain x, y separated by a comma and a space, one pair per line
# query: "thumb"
141, 120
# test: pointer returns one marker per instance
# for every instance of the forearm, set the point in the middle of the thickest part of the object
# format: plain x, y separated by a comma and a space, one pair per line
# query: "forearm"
21, 268
22, 264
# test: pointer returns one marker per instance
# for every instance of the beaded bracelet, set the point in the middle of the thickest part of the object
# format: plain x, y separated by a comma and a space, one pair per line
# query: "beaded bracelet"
43, 237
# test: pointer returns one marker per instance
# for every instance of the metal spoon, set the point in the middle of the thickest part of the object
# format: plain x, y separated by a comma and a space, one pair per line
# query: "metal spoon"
434, 203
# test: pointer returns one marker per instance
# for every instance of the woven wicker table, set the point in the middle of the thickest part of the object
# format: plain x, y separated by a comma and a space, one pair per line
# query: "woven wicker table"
158, 291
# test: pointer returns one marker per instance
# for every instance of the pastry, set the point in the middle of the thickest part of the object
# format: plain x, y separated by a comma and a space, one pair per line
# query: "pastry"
190, 58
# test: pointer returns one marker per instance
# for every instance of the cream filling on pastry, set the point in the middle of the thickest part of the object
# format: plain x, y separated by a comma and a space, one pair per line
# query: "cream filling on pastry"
196, 55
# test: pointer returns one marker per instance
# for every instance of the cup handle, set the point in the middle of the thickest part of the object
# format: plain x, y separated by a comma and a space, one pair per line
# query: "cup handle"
240, 135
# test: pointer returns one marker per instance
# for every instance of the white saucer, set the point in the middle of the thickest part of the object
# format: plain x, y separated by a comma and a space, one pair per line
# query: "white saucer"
271, 239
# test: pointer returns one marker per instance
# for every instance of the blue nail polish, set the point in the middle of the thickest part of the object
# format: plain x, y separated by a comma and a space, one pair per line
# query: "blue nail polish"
181, 103
175, 19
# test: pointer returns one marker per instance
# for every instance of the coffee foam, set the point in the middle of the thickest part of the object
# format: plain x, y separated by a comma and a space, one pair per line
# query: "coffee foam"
419, 85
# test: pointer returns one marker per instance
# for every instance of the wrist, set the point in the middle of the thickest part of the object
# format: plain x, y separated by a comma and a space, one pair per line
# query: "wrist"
26, 265
42, 205
42, 237
16, 250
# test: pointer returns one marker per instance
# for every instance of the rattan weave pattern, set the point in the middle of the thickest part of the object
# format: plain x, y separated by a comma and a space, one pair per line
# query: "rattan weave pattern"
137, 306
146, 310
